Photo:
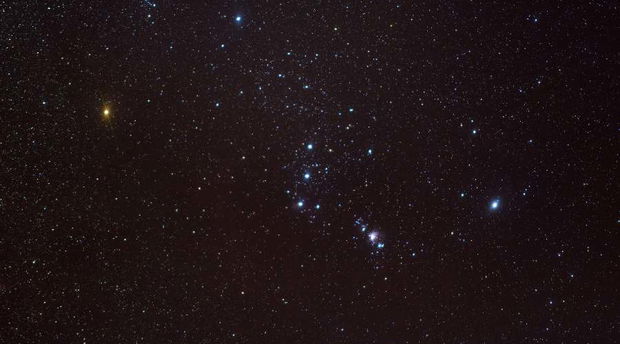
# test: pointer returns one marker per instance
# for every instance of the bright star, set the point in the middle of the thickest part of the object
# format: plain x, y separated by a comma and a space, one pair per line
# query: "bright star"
238, 19
370, 152
495, 204
373, 236
310, 146
307, 176
317, 206
380, 245
300, 204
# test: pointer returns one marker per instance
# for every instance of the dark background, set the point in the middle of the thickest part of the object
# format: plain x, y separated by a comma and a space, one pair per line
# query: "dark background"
175, 218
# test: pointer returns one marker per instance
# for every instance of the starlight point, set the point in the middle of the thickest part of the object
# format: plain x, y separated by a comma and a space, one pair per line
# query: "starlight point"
106, 113
494, 204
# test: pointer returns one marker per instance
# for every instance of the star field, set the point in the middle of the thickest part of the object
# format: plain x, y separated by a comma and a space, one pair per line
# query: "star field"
309, 172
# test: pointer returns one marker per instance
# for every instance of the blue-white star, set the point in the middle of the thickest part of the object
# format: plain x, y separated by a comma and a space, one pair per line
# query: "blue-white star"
310, 146
494, 204
307, 176
238, 19
373, 236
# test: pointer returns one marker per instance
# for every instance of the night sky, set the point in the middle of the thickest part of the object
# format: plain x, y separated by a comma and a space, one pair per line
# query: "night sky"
380, 172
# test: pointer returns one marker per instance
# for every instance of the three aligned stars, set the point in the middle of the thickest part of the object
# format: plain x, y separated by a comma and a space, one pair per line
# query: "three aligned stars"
373, 237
